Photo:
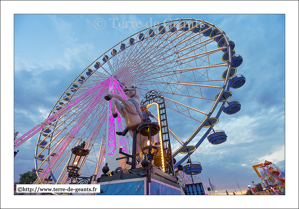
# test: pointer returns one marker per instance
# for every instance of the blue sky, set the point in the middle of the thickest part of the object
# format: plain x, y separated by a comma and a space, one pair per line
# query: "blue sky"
50, 51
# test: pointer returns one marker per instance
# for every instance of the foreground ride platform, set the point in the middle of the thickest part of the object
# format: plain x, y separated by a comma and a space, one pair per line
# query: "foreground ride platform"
138, 182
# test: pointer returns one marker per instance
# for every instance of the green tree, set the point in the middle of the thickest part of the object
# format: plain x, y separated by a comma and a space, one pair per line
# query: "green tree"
27, 177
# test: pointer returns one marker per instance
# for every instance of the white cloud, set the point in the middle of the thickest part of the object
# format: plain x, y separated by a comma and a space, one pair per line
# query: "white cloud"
76, 52
23, 64
70, 56
64, 29
275, 157
44, 112
34, 118
249, 128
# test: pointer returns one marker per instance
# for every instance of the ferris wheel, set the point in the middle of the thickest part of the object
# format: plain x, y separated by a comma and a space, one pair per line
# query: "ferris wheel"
190, 63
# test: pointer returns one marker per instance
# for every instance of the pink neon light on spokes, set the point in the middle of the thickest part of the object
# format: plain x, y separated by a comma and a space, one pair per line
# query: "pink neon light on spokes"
77, 127
60, 149
111, 126
111, 132
73, 103
111, 129
122, 139
74, 131
85, 116
21, 141
111, 135
53, 117
119, 89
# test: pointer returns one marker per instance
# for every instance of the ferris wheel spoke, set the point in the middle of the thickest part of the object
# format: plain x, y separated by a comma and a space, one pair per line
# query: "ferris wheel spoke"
176, 137
94, 153
147, 58
181, 109
105, 70
62, 179
195, 68
123, 62
201, 55
144, 60
185, 84
202, 43
149, 72
93, 136
187, 114
100, 160
100, 67
99, 76
156, 50
158, 75
110, 67
98, 127
61, 161
181, 70
176, 89
191, 39
186, 65
172, 93
84, 167
96, 76
81, 94
177, 35
90, 82
204, 53
173, 135
74, 114
154, 42
81, 97
153, 60
53, 142
177, 103
45, 171
140, 47
60, 150
176, 109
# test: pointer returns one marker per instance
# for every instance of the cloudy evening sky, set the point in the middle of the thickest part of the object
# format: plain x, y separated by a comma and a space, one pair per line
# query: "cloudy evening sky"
51, 50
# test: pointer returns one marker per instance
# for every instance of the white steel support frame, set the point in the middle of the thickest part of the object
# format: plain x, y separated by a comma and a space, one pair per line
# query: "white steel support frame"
114, 141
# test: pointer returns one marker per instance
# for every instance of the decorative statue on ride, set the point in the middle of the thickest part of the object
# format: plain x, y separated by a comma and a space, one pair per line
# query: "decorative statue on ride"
130, 111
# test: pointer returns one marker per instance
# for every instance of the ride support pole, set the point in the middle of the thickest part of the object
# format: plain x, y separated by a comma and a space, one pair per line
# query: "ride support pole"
134, 149
190, 165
